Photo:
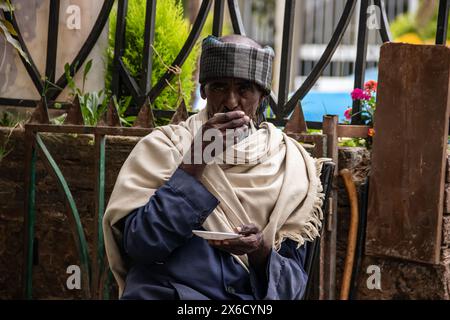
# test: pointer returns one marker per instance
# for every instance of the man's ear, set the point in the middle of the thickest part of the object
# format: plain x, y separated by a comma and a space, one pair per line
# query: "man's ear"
202, 91
261, 99
264, 98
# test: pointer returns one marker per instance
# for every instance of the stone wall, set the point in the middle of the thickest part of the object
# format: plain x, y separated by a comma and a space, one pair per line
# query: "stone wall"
56, 247
74, 155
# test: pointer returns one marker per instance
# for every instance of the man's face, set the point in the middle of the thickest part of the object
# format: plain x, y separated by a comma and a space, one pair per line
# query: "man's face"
232, 94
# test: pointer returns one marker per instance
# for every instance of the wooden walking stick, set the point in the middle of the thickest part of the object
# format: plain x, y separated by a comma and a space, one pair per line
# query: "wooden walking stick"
352, 233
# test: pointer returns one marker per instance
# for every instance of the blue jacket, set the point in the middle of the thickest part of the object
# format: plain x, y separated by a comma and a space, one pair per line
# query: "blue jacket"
166, 261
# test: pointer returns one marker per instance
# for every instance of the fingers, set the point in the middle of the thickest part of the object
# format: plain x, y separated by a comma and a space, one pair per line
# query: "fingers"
239, 246
248, 229
228, 120
227, 116
234, 123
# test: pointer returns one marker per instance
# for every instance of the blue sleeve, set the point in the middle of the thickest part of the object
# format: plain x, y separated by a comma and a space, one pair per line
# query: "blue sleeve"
285, 276
179, 206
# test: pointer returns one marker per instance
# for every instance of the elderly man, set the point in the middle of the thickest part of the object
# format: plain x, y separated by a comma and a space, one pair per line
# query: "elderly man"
266, 189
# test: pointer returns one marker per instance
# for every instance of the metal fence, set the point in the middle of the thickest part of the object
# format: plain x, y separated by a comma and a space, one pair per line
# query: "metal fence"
319, 18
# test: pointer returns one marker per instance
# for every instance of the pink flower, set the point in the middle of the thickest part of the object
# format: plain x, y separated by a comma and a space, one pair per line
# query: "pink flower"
348, 114
359, 94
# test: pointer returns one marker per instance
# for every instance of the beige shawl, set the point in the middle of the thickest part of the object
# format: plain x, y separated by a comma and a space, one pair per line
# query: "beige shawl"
275, 185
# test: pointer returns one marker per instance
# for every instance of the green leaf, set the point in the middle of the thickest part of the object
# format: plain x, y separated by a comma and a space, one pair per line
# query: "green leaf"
85, 72
69, 79
9, 38
10, 27
87, 68
6, 5
59, 120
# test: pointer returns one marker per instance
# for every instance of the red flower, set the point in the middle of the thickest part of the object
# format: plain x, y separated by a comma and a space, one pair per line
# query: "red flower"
371, 132
358, 94
348, 113
370, 86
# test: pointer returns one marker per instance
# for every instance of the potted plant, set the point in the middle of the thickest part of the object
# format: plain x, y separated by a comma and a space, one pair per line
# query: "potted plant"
367, 98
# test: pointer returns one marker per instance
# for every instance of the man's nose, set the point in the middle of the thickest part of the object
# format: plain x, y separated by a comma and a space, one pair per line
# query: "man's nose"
231, 100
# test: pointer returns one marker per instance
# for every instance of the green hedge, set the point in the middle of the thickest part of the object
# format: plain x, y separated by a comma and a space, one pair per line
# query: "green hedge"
171, 31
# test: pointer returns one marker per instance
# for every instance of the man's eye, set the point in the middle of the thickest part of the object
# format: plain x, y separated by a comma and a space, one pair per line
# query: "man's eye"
245, 87
217, 87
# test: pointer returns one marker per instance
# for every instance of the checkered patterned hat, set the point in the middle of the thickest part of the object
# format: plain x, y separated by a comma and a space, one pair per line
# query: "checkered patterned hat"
225, 59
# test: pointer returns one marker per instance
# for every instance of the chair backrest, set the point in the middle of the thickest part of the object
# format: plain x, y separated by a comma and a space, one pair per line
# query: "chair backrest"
311, 264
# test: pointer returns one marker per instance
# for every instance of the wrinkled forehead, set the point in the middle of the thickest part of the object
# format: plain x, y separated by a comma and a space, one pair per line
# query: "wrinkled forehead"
230, 81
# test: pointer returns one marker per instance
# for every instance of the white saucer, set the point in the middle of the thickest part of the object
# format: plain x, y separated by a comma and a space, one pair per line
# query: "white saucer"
211, 235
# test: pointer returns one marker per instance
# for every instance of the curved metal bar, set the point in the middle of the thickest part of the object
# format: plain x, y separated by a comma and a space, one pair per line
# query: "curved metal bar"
18, 102
99, 248
360, 62
324, 59
86, 48
129, 81
119, 44
31, 68
149, 35
183, 54
442, 22
286, 55
235, 16
101, 202
30, 216
52, 40
78, 232
385, 31
219, 6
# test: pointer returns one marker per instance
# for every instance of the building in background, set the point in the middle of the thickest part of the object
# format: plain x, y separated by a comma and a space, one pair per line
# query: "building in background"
315, 21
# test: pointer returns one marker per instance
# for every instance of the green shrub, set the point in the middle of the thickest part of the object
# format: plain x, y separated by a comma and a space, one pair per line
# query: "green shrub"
403, 24
171, 31
407, 23
352, 142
